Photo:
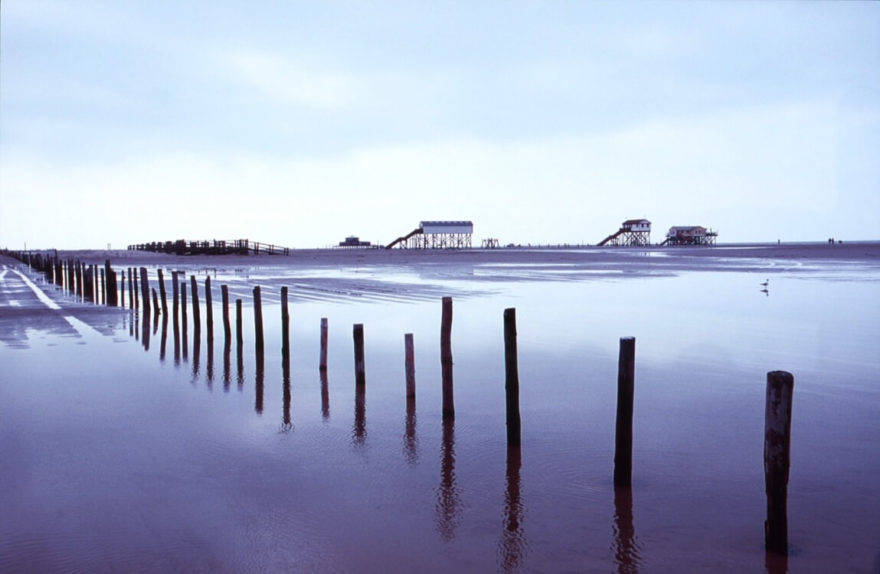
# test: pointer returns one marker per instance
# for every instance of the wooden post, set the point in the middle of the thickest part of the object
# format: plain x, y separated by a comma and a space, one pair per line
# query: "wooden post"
194, 296
446, 358
156, 302
132, 291
112, 292
145, 290
511, 378
121, 288
209, 310
322, 366
239, 334
623, 436
103, 286
175, 295
183, 308
258, 320
162, 292
227, 329
410, 364
360, 376
285, 326
777, 443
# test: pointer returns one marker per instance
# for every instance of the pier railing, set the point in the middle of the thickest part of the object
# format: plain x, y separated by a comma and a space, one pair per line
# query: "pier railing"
212, 247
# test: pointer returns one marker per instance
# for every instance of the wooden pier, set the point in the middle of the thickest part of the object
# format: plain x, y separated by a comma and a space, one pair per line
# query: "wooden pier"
212, 247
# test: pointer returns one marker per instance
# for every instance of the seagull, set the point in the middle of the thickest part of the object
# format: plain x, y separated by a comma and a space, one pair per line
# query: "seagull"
765, 283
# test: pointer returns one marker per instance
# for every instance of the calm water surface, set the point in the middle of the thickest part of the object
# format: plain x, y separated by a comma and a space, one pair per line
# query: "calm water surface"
129, 452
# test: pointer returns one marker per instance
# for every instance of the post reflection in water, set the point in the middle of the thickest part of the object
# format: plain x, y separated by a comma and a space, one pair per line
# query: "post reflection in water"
145, 331
448, 507
162, 345
325, 396
626, 548
778, 563
209, 368
410, 440
227, 351
239, 359
176, 339
512, 547
286, 425
359, 432
156, 324
258, 377
197, 347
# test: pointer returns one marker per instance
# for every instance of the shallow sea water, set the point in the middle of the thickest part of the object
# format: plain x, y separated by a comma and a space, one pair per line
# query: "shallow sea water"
123, 453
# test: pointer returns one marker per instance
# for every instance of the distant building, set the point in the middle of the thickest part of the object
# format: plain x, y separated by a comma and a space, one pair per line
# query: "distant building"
690, 235
354, 241
437, 235
632, 232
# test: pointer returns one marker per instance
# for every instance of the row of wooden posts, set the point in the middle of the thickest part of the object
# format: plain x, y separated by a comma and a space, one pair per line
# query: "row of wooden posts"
779, 390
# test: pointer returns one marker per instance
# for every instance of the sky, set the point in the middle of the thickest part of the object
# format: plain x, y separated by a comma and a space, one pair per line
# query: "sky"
299, 123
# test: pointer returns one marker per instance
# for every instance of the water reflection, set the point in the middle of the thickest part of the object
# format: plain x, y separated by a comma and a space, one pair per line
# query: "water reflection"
325, 396
209, 368
197, 348
448, 507
359, 432
164, 340
286, 424
258, 406
227, 352
778, 563
145, 331
410, 440
626, 548
512, 547
239, 360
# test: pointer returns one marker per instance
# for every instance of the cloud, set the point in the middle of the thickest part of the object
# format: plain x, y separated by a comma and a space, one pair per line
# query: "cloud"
290, 80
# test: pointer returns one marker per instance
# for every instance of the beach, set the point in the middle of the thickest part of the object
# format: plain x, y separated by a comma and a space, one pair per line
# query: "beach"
133, 443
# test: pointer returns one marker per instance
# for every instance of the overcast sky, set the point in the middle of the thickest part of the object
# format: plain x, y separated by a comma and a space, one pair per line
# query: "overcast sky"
300, 123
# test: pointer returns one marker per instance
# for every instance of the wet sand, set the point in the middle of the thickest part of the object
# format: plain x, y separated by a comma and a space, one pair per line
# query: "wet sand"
120, 457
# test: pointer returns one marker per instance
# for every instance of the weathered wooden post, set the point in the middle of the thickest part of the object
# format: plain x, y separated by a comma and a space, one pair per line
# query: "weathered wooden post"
511, 378
777, 443
239, 329
285, 326
410, 364
227, 328
446, 358
103, 286
112, 293
322, 365
623, 436
156, 302
360, 376
183, 307
209, 310
258, 320
132, 298
194, 296
121, 284
161, 275
145, 290
175, 296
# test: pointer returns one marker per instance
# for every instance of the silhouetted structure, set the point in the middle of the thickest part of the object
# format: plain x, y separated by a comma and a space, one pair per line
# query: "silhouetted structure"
690, 235
437, 235
212, 247
632, 233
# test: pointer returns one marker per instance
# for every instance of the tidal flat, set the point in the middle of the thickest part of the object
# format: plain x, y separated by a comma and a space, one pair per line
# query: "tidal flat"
132, 444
